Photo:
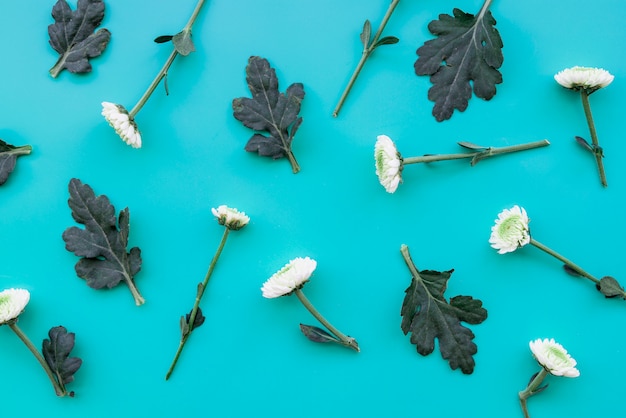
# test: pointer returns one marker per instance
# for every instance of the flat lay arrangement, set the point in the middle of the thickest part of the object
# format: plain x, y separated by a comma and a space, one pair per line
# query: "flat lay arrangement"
346, 95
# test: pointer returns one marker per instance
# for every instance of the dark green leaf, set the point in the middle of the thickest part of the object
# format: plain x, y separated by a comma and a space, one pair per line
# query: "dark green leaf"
72, 35
584, 143
56, 351
387, 40
163, 38
183, 43
471, 146
8, 158
570, 270
105, 261
198, 320
610, 288
467, 49
366, 34
317, 335
269, 110
428, 316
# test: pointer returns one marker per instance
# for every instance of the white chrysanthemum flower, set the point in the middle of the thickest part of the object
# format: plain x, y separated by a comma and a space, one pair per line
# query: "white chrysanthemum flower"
510, 231
587, 78
12, 303
120, 120
553, 358
388, 163
291, 277
231, 218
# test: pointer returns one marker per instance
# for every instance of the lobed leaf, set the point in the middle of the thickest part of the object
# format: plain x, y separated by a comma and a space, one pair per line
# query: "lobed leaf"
8, 158
467, 49
56, 351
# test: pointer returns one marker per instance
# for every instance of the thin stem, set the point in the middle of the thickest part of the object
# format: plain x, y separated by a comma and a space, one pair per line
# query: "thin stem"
295, 167
196, 305
485, 153
564, 260
530, 390
163, 72
58, 385
345, 340
139, 300
597, 151
23, 150
367, 50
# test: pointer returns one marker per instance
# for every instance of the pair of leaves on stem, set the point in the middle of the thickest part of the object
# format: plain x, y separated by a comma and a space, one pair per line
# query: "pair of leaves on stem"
73, 37
428, 316
104, 262
269, 110
8, 158
368, 43
467, 48
56, 351
607, 285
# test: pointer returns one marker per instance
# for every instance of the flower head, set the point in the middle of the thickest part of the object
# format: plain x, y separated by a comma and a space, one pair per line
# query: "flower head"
12, 303
124, 125
553, 358
510, 231
289, 278
388, 163
231, 218
584, 78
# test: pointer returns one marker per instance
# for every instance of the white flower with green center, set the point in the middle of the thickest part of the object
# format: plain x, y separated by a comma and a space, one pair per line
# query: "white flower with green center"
231, 218
388, 163
585, 78
554, 358
289, 278
510, 231
124, 125
12, 303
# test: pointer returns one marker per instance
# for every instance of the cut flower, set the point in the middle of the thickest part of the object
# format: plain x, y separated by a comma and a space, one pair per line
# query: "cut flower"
120, 120
388, 163
554, 358
12, 303
231, 218
584, 78
289, 278
510, 231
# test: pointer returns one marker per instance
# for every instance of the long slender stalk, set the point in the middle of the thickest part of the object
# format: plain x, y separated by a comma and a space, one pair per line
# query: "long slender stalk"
530, 390
597, 151
58, 385
367, 51
345, 340
139, 300
564, 260
196, 305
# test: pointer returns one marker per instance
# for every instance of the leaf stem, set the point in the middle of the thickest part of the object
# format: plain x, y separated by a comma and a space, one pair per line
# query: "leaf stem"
295, 167
478, 155
163, 72
139, 300
564, 260
58, 385
531, 389
345, 340
199, 294
367, 51
22, 150
596, 150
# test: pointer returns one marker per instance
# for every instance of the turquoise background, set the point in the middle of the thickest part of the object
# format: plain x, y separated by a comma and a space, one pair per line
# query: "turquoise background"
249, 358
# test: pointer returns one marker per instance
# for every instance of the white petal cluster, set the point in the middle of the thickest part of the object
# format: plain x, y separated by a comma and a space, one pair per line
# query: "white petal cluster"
510, 231
554, 358
584, 78
388, 163
289, 278
120, 120
12, 303
231, 218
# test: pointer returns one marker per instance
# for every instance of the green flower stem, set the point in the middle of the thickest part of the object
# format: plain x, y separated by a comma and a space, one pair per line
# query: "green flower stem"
564, 260
367, 51
485, 153
345, 340
597, 151
531, 389
196, 305
163, 72
58, 385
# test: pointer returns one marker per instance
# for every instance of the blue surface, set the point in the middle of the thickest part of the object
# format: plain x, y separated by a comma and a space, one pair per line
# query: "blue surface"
249, 359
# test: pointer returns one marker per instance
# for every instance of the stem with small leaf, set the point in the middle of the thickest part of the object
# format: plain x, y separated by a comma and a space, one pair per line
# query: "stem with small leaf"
564, 260
59, 388
476, 156
163, 72
344, 340
595, 149
368, 48
531, 389
194, 312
